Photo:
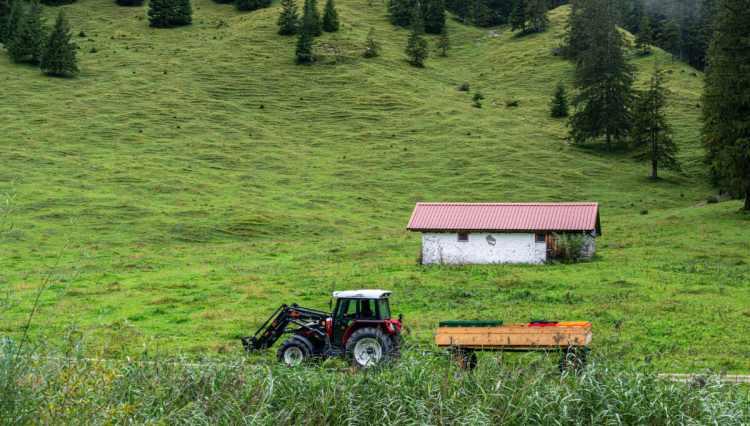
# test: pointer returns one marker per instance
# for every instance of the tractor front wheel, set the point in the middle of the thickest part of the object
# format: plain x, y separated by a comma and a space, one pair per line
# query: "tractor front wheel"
293, 352
368, 347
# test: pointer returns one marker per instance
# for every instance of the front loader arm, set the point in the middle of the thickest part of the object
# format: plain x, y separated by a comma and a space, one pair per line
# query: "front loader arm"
277, 324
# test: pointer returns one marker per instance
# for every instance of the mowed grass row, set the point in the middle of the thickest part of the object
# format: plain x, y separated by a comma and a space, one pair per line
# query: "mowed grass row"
190, 180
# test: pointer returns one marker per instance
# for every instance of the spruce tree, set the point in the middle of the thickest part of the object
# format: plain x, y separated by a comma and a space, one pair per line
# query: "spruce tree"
304, 53
434, 16
651, 134
59, 56
5, 8
400, 11
559, 104
372, 47
645, 37
669, 39
518, 16
8, 22
27, 34
169, 13
289, 18
536, 15
726, 99
311, 19
416, 45
576, 40
443, 42
603, 77
330, 17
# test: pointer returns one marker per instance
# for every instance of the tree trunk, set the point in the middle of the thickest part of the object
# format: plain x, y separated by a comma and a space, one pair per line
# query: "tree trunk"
654, 167
747, 199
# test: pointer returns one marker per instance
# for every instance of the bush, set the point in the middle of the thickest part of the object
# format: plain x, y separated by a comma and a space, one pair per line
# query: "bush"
57, 2
569, 247
249, 5
372, 47
464, 87
169, 13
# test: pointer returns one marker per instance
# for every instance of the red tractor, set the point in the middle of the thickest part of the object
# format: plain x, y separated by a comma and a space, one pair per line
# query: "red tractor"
359, 328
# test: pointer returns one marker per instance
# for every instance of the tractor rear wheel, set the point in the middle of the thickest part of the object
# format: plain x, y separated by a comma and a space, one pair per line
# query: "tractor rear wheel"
368, 347
293, 352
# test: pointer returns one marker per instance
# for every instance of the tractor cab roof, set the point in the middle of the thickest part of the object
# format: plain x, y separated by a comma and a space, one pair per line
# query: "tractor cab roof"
361, 294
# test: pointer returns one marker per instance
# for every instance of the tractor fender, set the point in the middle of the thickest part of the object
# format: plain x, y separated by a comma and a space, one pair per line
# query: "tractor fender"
305, 341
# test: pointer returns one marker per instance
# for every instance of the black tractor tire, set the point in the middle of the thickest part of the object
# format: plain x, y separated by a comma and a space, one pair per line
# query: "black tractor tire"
293, 352
573, 359
369, 347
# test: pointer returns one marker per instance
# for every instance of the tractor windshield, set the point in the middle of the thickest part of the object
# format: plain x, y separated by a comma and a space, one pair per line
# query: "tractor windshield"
384, 308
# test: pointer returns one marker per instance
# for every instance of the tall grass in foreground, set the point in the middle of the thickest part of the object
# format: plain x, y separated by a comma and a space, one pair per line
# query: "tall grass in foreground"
419, 389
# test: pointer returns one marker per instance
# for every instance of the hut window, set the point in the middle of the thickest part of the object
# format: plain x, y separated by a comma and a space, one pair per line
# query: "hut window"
463, 237
540, 238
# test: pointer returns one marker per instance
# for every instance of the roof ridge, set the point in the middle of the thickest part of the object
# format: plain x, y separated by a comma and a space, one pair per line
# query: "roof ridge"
565, 203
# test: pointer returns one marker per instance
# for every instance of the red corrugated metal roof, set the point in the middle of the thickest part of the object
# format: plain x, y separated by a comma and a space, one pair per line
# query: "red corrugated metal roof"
505, 217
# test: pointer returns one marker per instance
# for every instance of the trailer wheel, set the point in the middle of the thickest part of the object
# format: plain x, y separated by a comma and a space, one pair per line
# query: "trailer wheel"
293, 352
466, 359
573, 359
368, 347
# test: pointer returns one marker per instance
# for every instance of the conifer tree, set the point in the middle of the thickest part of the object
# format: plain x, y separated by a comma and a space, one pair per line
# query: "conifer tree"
400, 11
416, 45
559, 104
536, 15
518, 16
576, 40
27, 34
5, 8
670, 38
434, 16
651, 134
443, 42
726, 104
603, 77
645, 37
169, 13
311, 19
372, 47
304, 53
289, 18
330, 17
59, 56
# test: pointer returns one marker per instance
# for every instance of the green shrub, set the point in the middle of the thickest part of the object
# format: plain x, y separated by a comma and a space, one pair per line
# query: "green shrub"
169, 13
128, 3
569, 247
249, 5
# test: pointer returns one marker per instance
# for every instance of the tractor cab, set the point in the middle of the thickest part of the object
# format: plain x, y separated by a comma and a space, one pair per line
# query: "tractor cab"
355, 309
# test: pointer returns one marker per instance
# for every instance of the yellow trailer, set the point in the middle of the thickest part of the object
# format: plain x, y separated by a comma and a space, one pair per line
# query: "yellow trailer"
464, 338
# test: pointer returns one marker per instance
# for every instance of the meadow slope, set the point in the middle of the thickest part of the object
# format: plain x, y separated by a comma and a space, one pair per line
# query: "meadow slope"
192, 179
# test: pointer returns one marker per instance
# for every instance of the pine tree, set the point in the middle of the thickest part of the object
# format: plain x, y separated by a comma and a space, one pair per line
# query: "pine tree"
518, 16
645, 37
311, 19
27, 34
726, 104
289, 18
670, 38
400, 11
169, 13
434, 16
603, 77
59, 56
250, 5
559, 104
576, 40
536, 15
330, 17
443, 42
10, 18
651, 134
304, 53
416, 45
372, 47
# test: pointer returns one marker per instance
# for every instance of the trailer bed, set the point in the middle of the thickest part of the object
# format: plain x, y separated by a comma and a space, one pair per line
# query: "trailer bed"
519, 337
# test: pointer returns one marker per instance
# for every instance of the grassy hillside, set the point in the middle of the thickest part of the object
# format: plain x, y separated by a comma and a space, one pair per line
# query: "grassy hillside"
192, 179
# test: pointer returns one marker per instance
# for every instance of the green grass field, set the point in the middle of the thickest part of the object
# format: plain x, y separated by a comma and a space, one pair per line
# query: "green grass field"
190, 180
